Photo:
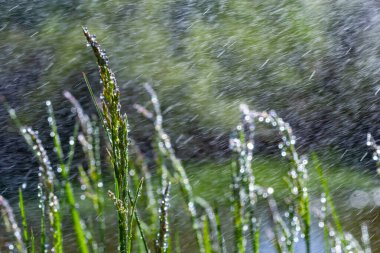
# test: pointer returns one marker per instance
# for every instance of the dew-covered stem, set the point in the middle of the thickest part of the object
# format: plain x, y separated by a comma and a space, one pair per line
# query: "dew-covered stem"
115, 125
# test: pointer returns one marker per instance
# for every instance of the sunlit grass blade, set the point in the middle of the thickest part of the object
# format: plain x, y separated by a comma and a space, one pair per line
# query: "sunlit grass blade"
206, 236
212, 226
255, 236
25, 233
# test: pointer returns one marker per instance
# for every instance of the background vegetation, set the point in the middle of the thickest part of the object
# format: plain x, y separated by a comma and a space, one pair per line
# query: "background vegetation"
314, 62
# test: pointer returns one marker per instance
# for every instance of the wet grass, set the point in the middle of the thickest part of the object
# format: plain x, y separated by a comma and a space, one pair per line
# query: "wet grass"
286, 186
269, 172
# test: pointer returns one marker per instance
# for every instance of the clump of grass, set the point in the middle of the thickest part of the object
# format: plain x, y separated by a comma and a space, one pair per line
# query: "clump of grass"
135, 234
334, 236
91, 181
47, 193
244, 182
165, 151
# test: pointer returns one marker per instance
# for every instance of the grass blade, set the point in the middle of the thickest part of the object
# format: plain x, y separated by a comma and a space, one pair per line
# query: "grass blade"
25, 233
163, 234
133, 204
11, 224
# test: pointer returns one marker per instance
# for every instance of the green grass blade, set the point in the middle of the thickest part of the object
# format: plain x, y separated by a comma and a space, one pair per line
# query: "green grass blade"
133, 204
256, 239
79, 231
100, 114
221, 243
142, 235
25, 233
32, 242
177, 243
43, 244
166, 148
55, 135
72, 144
326, 190
206, 236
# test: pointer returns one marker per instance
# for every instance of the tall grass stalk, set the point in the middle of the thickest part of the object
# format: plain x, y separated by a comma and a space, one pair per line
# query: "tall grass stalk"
244, 188
237, 203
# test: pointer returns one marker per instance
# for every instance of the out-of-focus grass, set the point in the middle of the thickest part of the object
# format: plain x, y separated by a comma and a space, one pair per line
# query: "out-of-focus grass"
211, 180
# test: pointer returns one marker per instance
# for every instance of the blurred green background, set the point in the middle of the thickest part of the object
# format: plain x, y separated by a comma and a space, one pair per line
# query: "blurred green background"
315, 62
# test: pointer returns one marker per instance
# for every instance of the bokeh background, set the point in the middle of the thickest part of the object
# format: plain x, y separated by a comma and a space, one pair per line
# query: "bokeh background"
316, 62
